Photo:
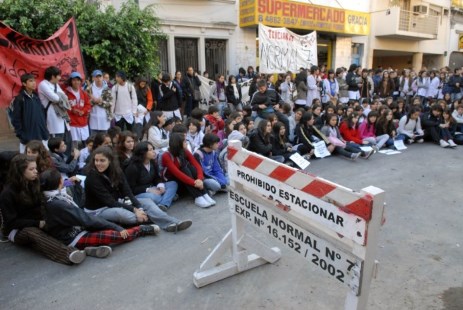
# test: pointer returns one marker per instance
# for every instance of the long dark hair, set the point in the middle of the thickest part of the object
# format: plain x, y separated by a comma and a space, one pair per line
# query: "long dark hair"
154, 121
371, 114
176, 144
114, 171
350, 123
139, 152
43, 157
276, 132
122, 138
307, 116
28, 191
382, 121
262, 130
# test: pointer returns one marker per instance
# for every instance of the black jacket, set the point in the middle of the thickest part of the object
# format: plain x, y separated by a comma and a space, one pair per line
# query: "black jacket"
230, 94
190, 84
139, 178
351, 80
169, 99
65, 221
258, 144
29, 118
100, 193
428, 120
18, 215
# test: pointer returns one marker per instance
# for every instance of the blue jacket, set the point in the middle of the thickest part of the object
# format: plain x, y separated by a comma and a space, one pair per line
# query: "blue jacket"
211, 166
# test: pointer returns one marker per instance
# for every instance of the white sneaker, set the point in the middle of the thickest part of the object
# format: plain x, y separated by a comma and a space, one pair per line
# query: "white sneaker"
209, 200
451, 143
443, 143
77, 256
420, 140
202, 202
354, 156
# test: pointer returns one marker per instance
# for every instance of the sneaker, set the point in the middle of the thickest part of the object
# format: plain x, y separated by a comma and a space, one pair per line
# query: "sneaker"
149, 230
212, 193
451, 143
176, 197
163, 208
410, 141
202, 202
368, 154
77, 257
420, 140
209, 199
174, 227
443, 143
354, 156
98, 251
375, 148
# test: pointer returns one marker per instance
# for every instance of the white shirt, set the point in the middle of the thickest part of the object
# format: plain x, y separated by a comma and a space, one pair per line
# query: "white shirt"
125, 107
98, 119
55, 123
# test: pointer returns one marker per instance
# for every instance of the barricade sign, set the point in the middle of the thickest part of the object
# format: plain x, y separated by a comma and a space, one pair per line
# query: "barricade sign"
322, 222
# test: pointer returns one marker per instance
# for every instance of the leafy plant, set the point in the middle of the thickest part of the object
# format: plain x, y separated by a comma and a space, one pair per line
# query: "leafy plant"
110, 40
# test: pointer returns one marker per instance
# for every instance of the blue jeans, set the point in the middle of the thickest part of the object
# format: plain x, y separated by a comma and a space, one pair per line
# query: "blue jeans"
164, 199
126, 217
211, 185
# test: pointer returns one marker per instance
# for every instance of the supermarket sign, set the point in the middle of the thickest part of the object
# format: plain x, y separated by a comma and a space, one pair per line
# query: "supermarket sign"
297, 15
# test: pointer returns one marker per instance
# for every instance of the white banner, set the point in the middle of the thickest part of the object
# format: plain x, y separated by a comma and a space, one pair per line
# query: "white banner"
281, 50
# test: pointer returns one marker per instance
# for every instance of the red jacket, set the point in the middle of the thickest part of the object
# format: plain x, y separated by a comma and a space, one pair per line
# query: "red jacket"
349, 134
173, 167
216, 124
82, 107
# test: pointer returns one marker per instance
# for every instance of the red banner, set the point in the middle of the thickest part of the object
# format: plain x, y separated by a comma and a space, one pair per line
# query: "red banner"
20, 54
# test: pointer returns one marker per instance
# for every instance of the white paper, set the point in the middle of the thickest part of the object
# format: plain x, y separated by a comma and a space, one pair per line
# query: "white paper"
299, 160
399, 145
321, 150
389, 152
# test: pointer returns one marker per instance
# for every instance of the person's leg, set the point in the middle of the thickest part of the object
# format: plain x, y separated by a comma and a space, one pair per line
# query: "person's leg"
188, 105
211, 185
434, 133
45, 244
106, 237
381, 140
120, 123
119, 215
341, 151
155, 214
278, 158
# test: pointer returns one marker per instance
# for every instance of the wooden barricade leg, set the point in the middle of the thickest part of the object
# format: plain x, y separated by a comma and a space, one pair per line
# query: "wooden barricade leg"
247, 253
368, 253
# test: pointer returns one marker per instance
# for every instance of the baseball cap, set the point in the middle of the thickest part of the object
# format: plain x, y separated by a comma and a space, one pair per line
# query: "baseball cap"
74, 75
97, 73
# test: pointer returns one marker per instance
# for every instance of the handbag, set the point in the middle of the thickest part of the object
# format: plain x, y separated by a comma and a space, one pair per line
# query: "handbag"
197, 95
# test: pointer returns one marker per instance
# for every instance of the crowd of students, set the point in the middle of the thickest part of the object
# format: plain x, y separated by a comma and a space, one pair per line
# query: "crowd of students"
137, 154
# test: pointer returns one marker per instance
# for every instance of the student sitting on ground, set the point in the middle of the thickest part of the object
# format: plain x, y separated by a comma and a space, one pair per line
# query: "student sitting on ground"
125, 147
385, 125
308, 134
409, 128
23, 222
280, 145
154, 131
67, 166
216, 122
350, 133
144, 179
214, 176
435, 128
74, 227
106, 189
85, 152
194, 136
259, 141
348, 150
37, 150
180, 165
368, 131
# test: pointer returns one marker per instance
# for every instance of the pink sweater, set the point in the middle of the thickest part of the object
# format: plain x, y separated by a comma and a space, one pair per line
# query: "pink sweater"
365, 132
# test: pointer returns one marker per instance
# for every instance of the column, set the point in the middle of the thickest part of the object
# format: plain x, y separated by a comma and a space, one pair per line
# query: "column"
202, 55
417, 61
171, 53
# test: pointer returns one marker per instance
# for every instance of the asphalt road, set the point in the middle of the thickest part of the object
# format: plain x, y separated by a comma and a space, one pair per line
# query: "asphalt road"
420, 252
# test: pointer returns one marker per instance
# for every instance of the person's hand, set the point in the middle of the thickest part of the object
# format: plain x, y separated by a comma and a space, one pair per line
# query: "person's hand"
42, 224
76, 153
262, 106
276, 106
199, 184
364, 142
155, 190
162, 190
80, 113
124, 234
174, 89
74, 179
141, 215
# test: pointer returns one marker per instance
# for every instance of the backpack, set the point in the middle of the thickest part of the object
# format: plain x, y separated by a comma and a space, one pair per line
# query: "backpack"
10, 111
